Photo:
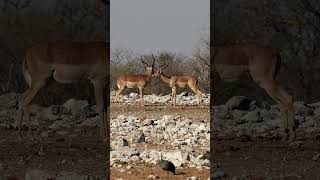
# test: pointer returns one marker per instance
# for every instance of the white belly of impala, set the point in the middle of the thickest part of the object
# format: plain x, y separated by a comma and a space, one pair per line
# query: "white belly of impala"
64, 81
131, 84
182, 84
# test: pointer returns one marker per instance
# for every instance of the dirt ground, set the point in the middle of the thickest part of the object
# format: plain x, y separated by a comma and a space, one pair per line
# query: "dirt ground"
268, 159
83, 154
158, 111
142, 171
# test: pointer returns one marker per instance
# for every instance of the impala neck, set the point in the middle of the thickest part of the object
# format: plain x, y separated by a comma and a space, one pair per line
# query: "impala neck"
149, 76
165, 78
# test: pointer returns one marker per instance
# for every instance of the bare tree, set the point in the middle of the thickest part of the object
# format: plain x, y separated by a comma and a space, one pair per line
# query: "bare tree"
201, 62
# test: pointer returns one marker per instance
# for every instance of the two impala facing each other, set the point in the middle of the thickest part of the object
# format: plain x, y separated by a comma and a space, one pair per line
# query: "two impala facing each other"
141, 81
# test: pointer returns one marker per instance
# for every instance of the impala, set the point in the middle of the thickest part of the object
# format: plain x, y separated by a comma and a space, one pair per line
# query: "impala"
179, 81
132, 81
230, 62
66, 62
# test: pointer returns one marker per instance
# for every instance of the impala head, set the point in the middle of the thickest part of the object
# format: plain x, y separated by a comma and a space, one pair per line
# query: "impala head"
149, 67
158, 72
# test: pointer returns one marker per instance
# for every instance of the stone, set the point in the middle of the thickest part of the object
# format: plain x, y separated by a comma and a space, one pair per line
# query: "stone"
153, 177
239, 102
9, 100
37, 174
175, 157
218, 174
316, 157
136, 137
252, 116
167, 166
75, 106
193, 178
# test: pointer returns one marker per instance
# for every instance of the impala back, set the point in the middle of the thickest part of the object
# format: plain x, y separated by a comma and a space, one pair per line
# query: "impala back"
70, 61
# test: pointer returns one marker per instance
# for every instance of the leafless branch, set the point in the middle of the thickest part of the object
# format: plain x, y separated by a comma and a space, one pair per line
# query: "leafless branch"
311, 8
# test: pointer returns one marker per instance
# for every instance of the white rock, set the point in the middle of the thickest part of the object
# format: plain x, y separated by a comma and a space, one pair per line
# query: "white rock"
175, 157
75, 106
36, 174
193, 178
135, 136
153, 177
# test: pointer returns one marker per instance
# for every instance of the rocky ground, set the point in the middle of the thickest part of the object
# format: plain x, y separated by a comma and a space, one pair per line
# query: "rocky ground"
65, 145
247, 141
142, 135
246, 146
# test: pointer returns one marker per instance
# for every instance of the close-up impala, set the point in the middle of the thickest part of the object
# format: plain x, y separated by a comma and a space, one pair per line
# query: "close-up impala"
66, 62
230, 62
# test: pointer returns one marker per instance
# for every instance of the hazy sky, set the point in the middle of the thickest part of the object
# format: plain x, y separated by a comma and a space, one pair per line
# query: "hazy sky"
151, 25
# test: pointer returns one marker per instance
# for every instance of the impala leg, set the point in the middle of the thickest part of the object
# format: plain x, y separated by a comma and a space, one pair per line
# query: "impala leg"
98, 90
141, 95
25, 103
286, 101
200, 97
19, 118
26, 116
174, 95
198, 93
118, 92
289, 114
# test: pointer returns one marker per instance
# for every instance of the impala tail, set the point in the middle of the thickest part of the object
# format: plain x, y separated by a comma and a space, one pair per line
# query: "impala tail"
277, 65
25, 72
199, 88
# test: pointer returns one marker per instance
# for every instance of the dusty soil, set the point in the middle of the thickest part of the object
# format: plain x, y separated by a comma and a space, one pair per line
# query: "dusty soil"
83, 154
267, 159
157, 111
142, 171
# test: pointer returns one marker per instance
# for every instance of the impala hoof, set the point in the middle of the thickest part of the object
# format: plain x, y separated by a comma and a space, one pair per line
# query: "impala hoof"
292, 137
288, 137
19, 136
284, 136
102, 132
30, 137
105, 140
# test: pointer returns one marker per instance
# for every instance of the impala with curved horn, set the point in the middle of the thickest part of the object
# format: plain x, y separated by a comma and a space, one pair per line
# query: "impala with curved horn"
230, 62
132, 81
178, 81
65, 62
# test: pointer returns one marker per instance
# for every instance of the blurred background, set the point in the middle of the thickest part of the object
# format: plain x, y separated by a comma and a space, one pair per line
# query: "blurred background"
25, 23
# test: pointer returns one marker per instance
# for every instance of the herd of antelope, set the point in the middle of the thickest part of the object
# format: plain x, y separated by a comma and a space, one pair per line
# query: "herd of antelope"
67, 62
141, 81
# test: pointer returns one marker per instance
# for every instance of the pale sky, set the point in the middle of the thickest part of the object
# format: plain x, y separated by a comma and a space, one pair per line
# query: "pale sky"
154, 25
